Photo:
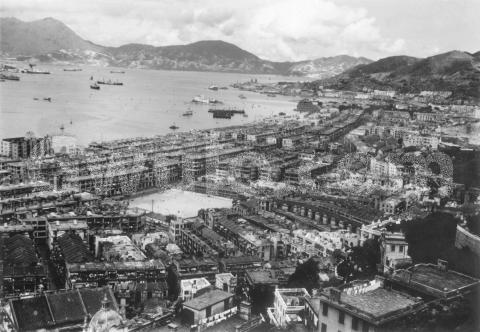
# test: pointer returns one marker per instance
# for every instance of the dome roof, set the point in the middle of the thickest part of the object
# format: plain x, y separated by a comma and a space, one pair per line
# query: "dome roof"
104, 319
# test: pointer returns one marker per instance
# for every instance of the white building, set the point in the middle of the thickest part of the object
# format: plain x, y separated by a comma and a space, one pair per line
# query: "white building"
421, 141
383, 168
190, 287
287, 304
64, 143
226, 282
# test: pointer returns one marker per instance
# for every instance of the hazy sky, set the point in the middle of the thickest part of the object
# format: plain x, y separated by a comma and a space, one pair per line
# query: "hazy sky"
272, 29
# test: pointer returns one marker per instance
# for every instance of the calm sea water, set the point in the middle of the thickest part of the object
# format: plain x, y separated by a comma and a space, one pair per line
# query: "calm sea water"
148, 103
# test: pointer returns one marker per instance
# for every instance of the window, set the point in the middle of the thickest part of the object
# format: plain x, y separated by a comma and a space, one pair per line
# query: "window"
324, 327
392, 247
365, 327
400, 248
354, 323
325, 309
341, 317
209, 311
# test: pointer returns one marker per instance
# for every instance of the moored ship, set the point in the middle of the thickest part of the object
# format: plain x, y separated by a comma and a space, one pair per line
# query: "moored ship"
72, 69
9, 77
109, 82
95, 86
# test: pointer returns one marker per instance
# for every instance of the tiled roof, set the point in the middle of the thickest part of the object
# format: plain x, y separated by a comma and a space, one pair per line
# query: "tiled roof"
73, 248
52, 310
19, 250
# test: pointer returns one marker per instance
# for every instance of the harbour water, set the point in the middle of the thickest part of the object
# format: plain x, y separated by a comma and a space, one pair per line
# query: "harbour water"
148, 103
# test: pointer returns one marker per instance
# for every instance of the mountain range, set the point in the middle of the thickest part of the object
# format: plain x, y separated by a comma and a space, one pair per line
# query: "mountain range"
49, 40
455, 71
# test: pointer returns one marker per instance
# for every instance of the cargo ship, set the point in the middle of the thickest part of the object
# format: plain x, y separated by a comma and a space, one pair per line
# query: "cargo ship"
9, 77
109, 82
225, 113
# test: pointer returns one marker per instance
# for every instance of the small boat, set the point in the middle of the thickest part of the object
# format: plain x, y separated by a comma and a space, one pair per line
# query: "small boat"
213, 87
223, 88
282, 113
188, 113
49, 99
242, 96
174, 127
271, 95
95, 86
117, 72
200, 99
72, 69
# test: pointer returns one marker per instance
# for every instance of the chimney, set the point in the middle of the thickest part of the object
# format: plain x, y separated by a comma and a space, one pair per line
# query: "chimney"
442, 265
335, 294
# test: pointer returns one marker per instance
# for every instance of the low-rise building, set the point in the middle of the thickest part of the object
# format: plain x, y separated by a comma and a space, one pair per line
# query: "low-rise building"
190, 287
206, 305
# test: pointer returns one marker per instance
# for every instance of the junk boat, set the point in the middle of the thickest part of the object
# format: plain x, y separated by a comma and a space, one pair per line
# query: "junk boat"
9, 77
174, 127
95, 86
109, 82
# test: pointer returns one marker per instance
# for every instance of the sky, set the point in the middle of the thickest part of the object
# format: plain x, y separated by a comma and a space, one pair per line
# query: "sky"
278, 30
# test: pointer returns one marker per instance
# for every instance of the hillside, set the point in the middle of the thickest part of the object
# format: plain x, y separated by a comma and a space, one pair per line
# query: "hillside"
39, 37
49, 40
455, 71
325, 67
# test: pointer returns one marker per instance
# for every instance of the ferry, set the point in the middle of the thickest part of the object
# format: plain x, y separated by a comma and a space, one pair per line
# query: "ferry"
95, 86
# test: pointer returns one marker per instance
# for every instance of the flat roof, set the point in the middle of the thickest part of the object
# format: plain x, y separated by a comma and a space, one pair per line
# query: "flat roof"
378, 302
432, 279
205, 300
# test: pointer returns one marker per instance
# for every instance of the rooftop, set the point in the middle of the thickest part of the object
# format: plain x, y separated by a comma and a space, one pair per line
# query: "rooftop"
434, 280
207, 299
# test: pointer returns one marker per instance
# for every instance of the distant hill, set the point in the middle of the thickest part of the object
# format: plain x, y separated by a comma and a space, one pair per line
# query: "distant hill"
456, 71
49, 40
39, 37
